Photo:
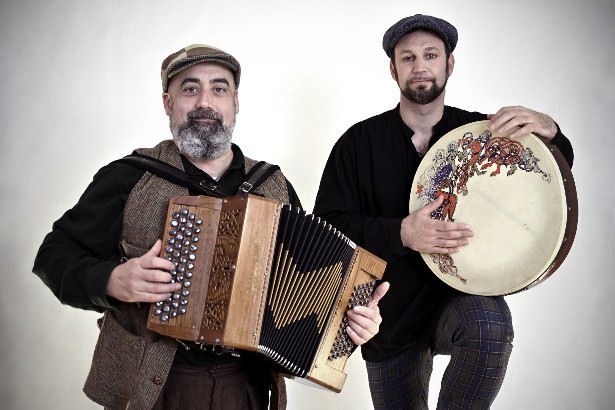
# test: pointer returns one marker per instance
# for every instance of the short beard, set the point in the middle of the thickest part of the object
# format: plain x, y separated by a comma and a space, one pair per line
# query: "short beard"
202, 141
424, 96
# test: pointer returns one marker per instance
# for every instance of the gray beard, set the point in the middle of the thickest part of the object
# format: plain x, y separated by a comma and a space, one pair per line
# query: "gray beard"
202, 141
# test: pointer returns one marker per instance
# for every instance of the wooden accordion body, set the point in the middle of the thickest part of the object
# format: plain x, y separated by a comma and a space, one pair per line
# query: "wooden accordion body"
263, 277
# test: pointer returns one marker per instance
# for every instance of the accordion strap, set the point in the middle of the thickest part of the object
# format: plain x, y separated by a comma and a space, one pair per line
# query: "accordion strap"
256, 176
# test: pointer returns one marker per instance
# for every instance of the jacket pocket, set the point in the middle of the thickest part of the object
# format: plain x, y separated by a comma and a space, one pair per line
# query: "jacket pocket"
115, 365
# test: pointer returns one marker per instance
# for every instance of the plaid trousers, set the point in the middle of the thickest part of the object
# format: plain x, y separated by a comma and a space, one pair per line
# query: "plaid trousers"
476, 331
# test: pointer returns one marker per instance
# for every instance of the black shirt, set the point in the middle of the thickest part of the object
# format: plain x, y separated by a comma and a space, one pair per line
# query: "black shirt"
364, 191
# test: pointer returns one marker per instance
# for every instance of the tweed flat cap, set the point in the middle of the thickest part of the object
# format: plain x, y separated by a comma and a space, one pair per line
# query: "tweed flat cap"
442, 28
193, 54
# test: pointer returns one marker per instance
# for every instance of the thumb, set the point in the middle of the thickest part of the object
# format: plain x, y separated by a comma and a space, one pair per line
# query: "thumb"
433, 205
379, 293
155, 250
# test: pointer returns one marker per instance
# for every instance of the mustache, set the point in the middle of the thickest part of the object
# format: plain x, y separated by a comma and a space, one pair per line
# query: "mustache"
422, 79
204, 114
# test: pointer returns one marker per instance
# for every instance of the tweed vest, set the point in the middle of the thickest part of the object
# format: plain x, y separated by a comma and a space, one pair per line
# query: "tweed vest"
131, 363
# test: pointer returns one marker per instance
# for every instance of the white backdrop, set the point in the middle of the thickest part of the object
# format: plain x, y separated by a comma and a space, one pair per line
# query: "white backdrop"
81, 87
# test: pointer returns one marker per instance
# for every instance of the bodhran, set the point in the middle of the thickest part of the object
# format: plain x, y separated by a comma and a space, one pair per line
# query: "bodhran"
519, 198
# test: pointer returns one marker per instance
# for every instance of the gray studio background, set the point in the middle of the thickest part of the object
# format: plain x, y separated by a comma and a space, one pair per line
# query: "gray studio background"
80, 87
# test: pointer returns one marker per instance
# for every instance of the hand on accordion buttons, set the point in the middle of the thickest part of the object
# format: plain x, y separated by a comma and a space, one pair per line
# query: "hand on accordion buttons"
143, 279
365, 320
423, 234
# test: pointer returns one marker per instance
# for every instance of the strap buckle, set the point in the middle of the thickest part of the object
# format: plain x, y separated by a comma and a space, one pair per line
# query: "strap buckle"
245, 188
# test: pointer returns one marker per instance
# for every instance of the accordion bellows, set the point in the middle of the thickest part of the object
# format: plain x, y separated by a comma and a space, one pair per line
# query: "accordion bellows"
263, 277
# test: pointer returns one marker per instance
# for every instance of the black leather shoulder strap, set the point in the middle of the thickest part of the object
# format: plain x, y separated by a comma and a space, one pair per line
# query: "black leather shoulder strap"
254, 178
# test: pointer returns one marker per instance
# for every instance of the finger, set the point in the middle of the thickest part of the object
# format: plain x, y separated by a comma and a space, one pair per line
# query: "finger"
162, 288
453, 230
157, 276
443, 228
364, 315
502, 116
356, 339
364, 326
378, 294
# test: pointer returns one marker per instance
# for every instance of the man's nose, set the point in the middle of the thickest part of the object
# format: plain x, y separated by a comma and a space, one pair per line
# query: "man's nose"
419, 65
204, 100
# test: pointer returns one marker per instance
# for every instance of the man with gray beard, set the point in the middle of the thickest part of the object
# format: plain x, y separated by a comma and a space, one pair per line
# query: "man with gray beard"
82, 264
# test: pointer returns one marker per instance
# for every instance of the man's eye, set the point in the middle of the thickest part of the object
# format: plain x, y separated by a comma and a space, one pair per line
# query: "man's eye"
190, 89
431, 56
219, 89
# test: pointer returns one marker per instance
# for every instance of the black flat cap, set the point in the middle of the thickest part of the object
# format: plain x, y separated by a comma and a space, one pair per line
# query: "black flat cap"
442, 28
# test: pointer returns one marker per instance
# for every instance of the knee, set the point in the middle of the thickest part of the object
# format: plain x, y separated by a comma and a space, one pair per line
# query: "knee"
487, 323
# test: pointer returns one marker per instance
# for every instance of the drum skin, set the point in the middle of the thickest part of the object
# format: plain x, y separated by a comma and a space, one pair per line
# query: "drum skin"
517, 195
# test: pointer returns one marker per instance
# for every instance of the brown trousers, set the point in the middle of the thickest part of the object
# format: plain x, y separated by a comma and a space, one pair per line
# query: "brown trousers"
228, 386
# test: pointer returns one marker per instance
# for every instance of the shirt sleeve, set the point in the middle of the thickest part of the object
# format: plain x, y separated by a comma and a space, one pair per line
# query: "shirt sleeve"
563, 145
293, 198
346, 199
76, 258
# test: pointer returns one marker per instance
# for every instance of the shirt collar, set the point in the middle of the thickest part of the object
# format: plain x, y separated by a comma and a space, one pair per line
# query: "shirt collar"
238, 163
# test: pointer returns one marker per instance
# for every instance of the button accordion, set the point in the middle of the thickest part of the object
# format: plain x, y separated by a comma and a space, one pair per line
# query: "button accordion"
262, 277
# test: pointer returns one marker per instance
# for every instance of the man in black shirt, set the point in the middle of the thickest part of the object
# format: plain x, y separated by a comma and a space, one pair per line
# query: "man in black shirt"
124, 209
364, 191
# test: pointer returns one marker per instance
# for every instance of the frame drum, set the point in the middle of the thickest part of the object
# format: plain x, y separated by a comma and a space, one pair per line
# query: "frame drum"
519, 198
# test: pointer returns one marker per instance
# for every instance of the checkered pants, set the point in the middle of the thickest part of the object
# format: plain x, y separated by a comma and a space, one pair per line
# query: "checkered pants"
476, 331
